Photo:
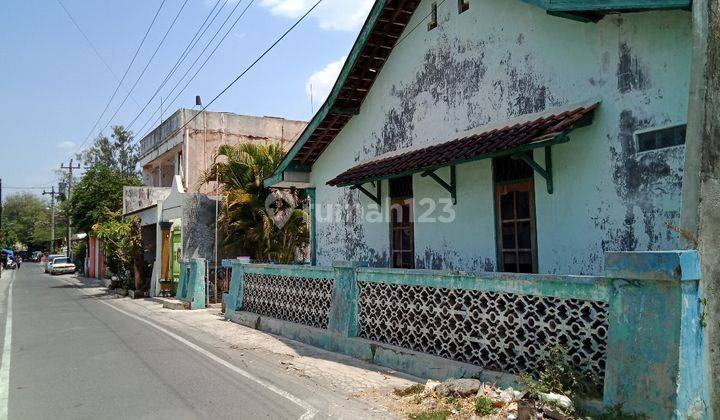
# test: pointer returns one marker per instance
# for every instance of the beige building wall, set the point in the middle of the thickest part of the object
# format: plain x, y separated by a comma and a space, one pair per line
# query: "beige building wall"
189, 152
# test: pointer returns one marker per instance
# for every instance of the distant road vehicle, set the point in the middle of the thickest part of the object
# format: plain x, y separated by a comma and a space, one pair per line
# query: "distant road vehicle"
62, 265
49, 260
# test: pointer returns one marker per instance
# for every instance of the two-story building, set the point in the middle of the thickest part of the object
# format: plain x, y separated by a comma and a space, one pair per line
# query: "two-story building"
177, 210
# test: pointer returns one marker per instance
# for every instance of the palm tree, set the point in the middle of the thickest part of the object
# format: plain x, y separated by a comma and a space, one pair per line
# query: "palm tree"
245, 219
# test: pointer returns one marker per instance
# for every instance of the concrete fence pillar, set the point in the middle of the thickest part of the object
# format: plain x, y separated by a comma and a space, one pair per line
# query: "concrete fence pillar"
196, 289
183, 281
234, 296
655, 363
343, 316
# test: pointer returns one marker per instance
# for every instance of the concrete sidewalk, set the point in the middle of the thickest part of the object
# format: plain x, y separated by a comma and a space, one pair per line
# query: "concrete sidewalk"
350, 378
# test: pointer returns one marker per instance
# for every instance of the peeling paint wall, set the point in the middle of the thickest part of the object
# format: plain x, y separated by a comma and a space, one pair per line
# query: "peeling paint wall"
138, 198
198, 237
499, 60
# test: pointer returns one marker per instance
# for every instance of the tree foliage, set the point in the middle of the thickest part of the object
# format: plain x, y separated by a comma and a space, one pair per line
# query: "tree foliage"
98, 196
26, 220
276, 231
121, 242
116, 152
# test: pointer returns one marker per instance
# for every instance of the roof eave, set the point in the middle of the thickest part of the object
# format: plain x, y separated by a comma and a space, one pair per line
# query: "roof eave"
327, 106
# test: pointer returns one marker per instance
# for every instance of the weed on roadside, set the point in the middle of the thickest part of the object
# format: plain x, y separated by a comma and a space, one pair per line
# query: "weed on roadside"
616, 413
411, 390
430, 415
484, 406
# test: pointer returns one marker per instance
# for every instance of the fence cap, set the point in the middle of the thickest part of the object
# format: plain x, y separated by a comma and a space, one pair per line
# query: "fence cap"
350, 264
681, 265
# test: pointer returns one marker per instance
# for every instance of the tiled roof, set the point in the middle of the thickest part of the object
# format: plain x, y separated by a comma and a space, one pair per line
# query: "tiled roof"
486, 144
382, 30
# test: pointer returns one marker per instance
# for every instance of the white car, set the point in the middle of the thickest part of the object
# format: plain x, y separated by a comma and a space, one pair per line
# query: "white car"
62, 265
48, 261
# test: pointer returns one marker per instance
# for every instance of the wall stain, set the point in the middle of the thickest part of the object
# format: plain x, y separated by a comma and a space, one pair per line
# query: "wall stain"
345, 239
631, 74
638, 180
451, 259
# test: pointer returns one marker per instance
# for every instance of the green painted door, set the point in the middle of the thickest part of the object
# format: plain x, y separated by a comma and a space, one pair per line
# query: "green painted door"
175, 246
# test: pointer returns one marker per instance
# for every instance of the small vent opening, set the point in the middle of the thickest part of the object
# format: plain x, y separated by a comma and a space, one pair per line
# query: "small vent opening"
463, 5
433, 17
662, 138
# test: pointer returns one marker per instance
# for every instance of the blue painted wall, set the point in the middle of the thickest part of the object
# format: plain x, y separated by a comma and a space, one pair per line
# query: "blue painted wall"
498, 61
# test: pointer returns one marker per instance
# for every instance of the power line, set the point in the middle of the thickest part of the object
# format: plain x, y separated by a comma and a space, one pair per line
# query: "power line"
248, 68
152, 116
193, 42
137, 51
142, 73
92, 46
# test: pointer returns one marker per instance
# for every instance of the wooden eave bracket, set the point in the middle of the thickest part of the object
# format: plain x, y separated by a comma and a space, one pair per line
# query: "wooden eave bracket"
543, 172
344, 111
451, 187
378, 191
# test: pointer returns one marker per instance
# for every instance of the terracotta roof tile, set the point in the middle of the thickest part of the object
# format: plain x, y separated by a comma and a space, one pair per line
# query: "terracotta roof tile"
467, 148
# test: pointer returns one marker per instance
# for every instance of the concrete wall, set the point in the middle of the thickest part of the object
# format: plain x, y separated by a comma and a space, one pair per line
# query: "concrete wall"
159, 159
499, 60
658, 376
138, 198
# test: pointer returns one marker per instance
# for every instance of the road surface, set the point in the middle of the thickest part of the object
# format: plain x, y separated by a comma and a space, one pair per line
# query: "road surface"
70, 355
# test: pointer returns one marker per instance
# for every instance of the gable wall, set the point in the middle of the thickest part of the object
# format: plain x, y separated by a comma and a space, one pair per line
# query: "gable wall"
499, 60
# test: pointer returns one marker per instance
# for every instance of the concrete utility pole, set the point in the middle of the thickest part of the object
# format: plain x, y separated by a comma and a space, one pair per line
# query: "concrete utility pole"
1, 205
700, 216
70, 169
52, 194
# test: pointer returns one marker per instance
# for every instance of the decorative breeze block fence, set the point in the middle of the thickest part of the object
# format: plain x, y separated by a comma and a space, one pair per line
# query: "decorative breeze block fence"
505, 332
639, 328
302, 300
443, 314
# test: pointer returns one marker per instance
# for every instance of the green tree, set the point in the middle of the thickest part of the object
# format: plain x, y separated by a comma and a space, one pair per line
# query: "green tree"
26, 219
98, 196
122, 244
277, 232
118, 152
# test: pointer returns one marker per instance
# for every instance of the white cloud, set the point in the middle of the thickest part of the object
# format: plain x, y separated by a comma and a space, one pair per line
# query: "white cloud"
323, 80
338, 15
66, 144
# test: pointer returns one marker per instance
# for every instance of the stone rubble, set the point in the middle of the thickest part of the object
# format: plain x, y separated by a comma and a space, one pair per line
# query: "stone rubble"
457, 398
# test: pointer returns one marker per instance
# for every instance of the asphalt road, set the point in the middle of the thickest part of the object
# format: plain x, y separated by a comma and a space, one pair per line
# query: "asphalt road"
75, 356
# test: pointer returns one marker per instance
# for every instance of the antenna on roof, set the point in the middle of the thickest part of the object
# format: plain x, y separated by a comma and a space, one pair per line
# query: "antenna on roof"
198, 101
312, 107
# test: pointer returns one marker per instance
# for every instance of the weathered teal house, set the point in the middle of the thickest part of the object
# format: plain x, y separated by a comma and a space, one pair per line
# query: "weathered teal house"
546, 139
492, 178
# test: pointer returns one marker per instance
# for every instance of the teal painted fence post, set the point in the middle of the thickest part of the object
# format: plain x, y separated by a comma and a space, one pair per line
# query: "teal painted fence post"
656, 364
182, 287
196, 289
234, 296
344, 307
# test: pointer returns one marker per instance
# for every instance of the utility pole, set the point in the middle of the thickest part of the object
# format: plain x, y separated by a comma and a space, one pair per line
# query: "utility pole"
1, 205
52, 193
70, 169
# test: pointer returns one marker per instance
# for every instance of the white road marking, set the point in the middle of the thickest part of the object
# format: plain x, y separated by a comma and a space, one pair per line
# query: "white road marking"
310, 411
5, 360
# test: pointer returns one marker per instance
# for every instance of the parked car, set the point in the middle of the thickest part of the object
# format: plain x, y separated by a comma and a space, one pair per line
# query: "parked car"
62, 265
49, 260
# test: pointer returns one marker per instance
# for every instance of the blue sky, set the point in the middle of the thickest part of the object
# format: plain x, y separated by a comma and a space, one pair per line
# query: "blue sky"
53, 87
